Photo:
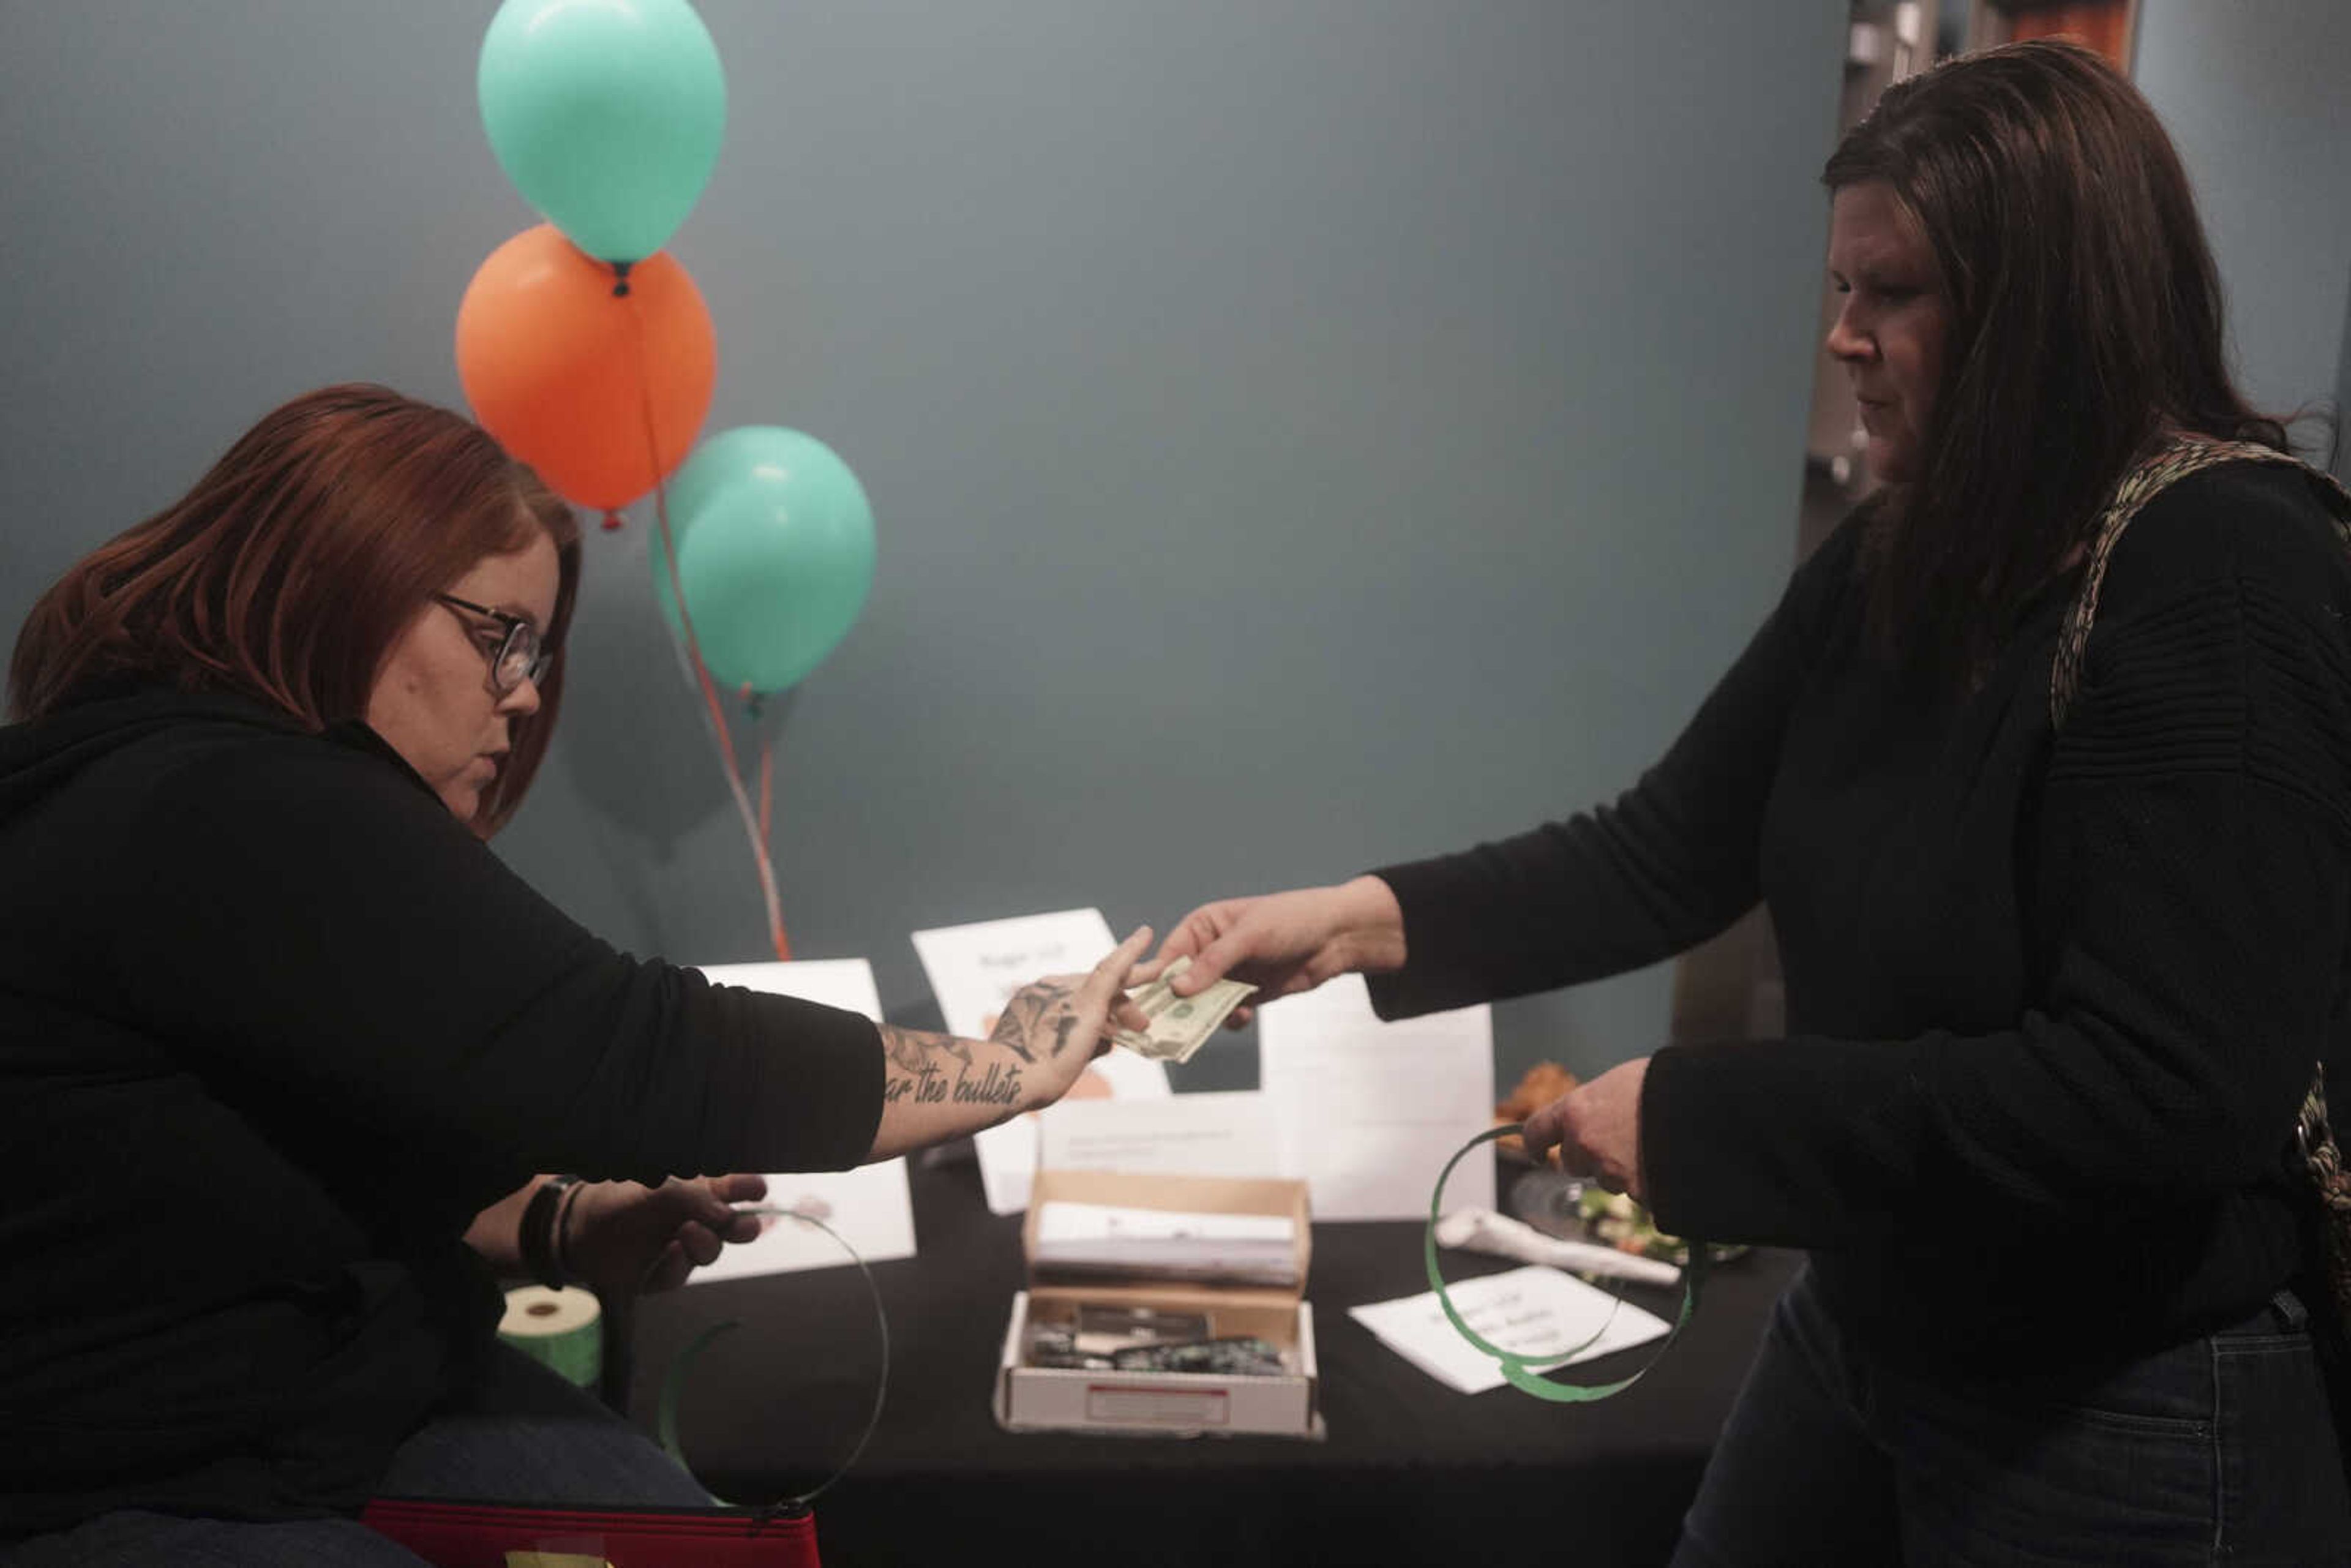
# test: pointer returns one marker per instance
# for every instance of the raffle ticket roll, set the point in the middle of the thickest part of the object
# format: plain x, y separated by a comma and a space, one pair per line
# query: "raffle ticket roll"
562, 1329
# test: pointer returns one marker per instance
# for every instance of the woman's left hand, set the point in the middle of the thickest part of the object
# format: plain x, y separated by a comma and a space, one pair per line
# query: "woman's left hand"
1597, 1128
621, 1237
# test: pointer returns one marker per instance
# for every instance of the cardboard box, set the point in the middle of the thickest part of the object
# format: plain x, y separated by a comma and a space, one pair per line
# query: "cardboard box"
1182, 1403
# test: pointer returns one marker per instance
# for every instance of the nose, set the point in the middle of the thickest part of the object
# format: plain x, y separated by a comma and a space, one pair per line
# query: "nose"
1847, 342
522, 701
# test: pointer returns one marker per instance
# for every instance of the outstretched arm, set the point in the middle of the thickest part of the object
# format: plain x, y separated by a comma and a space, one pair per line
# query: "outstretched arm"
941, 1086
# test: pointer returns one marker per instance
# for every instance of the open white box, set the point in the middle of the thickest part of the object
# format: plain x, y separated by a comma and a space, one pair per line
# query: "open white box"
1177, 1403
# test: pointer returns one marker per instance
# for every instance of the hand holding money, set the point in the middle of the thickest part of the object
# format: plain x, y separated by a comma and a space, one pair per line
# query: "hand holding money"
1179, 1025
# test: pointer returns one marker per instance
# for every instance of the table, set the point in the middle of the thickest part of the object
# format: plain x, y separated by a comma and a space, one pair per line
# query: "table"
1411, 1471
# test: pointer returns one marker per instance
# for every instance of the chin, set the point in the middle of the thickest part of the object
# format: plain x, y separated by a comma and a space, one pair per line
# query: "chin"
1892, 464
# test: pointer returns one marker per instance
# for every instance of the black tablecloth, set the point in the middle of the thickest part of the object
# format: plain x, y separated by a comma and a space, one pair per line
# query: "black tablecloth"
1410, 1471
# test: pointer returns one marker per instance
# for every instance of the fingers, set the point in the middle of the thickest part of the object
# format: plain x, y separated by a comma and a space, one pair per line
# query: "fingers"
669, 1269
699, 1242
1544, 1130
1124, 1014
1211, 962
1186, 938
1103, 987
693, 1245
741, 1187
709, 1213
685, 1200
1562, 1133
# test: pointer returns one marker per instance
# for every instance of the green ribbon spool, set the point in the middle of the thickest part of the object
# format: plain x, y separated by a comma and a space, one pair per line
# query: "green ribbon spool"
560, 1329
1524, 1372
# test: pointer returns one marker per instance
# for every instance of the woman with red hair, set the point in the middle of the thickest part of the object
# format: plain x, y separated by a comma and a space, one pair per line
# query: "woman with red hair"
284, 1044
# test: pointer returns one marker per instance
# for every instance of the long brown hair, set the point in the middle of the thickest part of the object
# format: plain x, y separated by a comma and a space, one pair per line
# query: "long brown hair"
2085, 321
290, 569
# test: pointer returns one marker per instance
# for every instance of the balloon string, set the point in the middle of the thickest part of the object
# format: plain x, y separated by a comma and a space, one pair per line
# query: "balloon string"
754, 825
767, 785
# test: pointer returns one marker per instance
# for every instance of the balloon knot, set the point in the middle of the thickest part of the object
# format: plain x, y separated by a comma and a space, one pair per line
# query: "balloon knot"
611, 522
620, 279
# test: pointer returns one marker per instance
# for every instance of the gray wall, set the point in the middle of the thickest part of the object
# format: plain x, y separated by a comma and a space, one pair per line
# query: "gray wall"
2254, 93
2343, 397
1303, 432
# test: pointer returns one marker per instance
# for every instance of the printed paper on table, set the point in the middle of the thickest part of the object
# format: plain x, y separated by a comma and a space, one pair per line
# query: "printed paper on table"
1531, 1312
1370, 1111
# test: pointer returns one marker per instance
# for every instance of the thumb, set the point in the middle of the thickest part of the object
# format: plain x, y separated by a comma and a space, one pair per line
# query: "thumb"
1213, 961
1181, 943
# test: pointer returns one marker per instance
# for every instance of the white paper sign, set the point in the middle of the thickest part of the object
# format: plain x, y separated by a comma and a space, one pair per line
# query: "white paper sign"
869, 1207
974, 970
1531, 1312
1227, 1134
1370, 1111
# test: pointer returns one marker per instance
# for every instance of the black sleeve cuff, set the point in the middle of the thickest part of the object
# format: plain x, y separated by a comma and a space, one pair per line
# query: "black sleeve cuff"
1438, 975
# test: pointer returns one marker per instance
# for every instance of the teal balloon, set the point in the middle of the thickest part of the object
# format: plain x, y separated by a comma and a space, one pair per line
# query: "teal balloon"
777, 557
606, 114
718, 462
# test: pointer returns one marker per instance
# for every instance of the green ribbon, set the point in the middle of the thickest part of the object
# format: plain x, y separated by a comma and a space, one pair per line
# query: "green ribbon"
673, 1380
1524, 1372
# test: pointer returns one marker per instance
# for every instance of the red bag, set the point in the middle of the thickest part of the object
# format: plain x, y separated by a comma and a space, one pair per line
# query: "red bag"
480, 1535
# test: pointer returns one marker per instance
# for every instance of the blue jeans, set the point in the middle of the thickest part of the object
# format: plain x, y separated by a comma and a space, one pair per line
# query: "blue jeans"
2221, 1451
527, 1437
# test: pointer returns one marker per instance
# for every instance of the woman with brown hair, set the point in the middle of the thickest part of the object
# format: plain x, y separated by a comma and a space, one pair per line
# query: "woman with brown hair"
2055, 990
280, 1036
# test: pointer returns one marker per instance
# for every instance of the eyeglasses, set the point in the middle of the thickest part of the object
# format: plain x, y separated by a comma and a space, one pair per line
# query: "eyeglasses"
520, 656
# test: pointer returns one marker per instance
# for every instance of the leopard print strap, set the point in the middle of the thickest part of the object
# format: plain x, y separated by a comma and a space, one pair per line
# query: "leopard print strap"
2321, 1159
2175, 461
2322, 1162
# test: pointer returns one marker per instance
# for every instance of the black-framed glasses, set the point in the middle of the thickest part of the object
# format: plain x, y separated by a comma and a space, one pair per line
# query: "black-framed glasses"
520, 655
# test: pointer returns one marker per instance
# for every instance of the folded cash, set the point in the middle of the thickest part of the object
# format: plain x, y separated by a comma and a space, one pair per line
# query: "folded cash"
1180, 1025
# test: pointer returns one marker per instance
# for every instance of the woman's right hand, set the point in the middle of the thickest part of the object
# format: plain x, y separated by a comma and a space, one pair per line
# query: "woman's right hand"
1283, 943
939, 1086
1063, 1021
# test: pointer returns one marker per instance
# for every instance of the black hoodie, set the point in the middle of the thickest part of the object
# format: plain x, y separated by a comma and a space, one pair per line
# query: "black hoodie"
274, 1026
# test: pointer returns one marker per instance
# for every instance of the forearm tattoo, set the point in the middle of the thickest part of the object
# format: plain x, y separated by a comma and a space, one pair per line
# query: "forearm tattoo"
912, 1048
919, 1075
1033, 1012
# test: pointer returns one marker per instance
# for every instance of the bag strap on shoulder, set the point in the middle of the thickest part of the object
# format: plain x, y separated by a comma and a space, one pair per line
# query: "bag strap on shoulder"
2175, 461
2314, 1146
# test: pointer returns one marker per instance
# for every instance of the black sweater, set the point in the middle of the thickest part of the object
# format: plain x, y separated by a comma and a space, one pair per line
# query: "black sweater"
274, 1026
2052, 998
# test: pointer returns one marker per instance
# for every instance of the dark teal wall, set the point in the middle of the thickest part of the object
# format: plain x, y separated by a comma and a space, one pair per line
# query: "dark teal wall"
1302, 433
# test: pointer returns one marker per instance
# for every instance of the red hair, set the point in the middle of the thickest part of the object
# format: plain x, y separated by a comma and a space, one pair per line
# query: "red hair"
290, 569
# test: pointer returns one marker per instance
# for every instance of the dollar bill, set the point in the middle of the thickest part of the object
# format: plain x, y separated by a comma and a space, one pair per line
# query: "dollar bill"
1180, 1025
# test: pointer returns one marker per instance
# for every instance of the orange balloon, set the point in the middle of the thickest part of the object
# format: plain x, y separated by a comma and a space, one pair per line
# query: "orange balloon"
603, 394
